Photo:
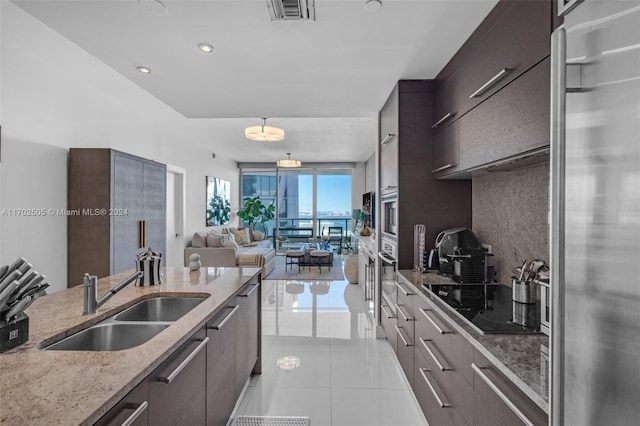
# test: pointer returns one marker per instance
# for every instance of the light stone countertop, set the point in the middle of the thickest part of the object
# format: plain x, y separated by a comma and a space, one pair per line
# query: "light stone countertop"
517, 356
76, 387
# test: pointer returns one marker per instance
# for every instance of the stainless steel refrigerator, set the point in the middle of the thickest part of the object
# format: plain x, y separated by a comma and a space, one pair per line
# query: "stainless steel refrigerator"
595, 214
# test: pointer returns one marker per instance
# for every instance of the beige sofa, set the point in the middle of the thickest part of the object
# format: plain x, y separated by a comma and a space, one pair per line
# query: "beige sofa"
258, 252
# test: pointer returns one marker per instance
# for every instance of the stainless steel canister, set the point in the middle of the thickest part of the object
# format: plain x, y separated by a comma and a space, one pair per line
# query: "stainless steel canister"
523, 291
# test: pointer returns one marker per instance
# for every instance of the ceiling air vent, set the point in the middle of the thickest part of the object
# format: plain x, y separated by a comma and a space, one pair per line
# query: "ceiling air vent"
292, 10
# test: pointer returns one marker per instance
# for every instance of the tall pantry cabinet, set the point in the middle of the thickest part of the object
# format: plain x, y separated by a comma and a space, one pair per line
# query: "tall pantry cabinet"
117, 208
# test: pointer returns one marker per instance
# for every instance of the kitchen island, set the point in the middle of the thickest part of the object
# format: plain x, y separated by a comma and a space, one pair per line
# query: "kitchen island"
520, 357
79, 387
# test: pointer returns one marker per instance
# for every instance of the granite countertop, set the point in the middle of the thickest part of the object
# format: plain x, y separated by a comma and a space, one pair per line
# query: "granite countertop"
78, 387
517, 356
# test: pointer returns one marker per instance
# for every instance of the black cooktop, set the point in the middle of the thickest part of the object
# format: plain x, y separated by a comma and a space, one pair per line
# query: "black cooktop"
488, 307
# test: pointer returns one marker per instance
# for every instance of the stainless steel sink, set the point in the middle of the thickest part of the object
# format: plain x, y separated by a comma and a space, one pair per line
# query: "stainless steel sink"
109, 337
132, 327
159, 309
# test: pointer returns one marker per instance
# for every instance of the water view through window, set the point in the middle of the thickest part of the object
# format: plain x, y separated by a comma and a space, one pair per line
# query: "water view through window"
309, 202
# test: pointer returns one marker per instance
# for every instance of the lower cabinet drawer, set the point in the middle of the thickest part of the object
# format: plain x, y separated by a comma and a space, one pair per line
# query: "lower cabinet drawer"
432, 395
498, 401
132, 410
389, 323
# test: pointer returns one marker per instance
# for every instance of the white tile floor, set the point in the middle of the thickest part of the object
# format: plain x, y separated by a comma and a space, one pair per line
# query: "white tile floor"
346, 376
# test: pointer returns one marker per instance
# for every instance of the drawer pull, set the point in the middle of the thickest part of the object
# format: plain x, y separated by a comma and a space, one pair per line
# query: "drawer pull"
432, 321
501, 395
439, 169
184, 363
400, 333
490, 83
139, 410
442, 120
247, 294
387, 313
405, 316
388, 139
224, 321
403, 290
433, 356
433, 389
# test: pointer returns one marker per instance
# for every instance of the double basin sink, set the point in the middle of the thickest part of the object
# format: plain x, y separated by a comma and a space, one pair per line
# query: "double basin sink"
131, 327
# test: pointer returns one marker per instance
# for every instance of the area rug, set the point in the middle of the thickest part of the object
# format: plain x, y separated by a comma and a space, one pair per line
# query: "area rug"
306, 273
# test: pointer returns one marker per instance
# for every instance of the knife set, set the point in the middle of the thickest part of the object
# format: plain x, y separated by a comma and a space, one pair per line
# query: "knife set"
149, 262
20, 286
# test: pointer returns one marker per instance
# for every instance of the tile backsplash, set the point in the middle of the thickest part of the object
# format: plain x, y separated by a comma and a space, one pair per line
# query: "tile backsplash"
510, 211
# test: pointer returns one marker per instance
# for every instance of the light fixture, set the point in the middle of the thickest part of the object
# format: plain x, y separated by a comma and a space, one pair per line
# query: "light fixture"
206, 48
144, 70
264, 133
372, 5
289, 162
288, 362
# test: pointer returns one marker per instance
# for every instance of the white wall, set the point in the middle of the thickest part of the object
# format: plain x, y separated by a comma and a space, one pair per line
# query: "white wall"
357, 185
56, 96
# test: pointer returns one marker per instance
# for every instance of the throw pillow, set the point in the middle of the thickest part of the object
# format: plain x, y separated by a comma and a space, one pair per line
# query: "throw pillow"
199, 240
257, 236
240, 236
231, 243
215, 240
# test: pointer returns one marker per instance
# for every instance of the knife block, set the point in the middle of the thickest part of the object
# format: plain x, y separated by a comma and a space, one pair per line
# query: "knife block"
14, 333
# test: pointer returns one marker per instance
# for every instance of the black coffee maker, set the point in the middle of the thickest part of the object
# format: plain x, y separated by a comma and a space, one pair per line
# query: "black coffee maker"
460, 255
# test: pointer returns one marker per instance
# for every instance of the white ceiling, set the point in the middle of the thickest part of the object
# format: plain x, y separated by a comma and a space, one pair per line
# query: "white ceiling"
322, 81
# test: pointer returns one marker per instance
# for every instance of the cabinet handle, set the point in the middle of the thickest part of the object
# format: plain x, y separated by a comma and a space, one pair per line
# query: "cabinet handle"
490, 83
442, 120
224, 321
388, 139
384, 309
439, 169
405, 316
141, 232
255, 286
139, 410
433, 389
433, 355
183, 364
406, 343
402, 289
501, 395
432, 321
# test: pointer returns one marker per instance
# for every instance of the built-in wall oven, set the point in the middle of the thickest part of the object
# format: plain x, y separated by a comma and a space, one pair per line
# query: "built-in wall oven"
389, 216
389, 289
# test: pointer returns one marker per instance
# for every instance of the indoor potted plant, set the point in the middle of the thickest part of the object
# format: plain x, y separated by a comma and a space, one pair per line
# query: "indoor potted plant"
253, 212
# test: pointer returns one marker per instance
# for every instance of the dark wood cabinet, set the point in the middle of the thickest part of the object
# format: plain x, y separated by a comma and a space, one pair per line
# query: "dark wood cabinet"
177, 388
389, 134
389, 324
431, 395
406, 330
482, 93
117, 205
221, 366
497, 401
132, 410
248, 334
422, 199
513, 121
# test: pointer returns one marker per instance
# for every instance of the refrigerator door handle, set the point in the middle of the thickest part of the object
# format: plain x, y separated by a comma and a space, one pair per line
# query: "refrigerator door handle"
557, 217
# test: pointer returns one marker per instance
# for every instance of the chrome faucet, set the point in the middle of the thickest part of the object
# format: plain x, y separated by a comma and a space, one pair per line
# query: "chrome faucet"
91, 301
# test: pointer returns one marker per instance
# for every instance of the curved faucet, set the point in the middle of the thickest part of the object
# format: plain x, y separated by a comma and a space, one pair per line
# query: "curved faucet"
91, 301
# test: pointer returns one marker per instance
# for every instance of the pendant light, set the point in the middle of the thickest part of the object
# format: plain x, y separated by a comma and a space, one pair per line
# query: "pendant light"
289, 162
264, 133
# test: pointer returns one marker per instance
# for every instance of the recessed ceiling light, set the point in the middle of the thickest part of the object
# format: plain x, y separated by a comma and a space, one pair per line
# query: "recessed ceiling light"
372, 5
288, 362
154, 7
206, 48
144, 70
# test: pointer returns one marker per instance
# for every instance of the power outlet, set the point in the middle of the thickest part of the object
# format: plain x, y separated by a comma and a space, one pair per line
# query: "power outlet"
487, 248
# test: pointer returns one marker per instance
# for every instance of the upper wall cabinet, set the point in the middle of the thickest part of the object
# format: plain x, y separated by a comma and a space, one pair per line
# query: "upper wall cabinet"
507, 45
389, 144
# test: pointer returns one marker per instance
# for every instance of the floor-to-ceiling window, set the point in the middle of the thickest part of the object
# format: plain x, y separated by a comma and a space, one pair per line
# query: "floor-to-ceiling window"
309, 202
